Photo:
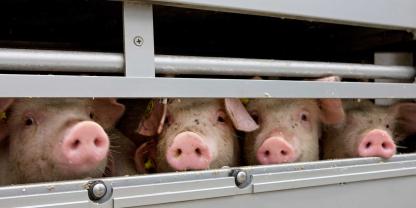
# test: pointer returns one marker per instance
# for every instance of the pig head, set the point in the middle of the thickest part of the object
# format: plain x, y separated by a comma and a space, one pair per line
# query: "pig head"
369, 130
192, 134
289, 129
57, 139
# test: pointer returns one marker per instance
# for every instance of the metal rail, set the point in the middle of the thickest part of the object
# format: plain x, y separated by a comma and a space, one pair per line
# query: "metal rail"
136, 87
79, 62
268, 185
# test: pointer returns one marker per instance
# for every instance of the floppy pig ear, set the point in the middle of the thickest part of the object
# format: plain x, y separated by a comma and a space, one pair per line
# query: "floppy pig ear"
5, 103
237, 112
145, 157
152, 123
405, 114
331, 109
107, 111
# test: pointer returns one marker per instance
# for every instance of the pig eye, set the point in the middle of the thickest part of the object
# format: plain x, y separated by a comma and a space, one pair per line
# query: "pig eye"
304, 117
387, 126
255, 116
168, 120
29, 121
91, 115
221, 117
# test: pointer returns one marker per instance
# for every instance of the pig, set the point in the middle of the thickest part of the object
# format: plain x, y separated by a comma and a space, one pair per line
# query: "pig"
56, 139
127, 125
122, 154
290, 129
192, 134
369, 130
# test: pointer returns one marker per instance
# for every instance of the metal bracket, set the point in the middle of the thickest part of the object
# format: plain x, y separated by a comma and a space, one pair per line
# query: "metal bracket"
242, 178
99, 191
138, 39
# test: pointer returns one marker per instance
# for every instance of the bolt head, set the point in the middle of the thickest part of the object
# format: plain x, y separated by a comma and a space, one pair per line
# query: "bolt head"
241, 177
99, 190
138, 41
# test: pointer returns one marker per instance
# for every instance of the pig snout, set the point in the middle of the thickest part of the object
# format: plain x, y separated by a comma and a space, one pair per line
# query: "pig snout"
377, 143
188, 152
275, 150
85, 146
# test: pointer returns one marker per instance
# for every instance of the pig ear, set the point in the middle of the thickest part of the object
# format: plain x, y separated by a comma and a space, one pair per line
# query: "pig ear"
107, 111
331, 111
237, 112
405, 114
4, 130
145, 157
329, 79
5, 103
152, 123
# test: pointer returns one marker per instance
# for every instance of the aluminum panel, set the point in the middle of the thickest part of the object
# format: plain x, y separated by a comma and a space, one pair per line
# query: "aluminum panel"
138, 39
375, 13
91, 86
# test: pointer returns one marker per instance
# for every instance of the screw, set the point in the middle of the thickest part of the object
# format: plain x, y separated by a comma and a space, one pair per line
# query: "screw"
241, 177
97, 190
138, 41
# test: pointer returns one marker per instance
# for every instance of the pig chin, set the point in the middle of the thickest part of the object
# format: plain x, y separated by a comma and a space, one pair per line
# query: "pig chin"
68, 169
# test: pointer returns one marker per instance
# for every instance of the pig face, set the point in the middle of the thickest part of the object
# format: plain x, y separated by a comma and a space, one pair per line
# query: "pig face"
60, 139
289, 129
197, 134
369, 130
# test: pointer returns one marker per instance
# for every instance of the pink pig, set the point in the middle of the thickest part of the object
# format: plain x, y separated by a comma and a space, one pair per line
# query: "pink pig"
194, 134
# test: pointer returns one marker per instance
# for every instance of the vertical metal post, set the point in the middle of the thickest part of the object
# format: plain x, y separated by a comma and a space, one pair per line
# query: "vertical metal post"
138, 39
389, 59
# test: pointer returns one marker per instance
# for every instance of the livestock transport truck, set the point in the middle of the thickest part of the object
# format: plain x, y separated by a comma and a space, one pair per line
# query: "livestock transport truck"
137, 50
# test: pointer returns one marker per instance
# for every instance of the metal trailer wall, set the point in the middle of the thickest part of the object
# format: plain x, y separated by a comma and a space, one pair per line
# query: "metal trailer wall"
370, 182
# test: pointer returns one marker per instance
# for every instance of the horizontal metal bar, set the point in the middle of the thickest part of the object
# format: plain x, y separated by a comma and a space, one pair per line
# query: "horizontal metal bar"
107, 86
326, 176
74, 198
60, 61
187, 186
173, 192
375, 13
332, 179
64, 61
252, 67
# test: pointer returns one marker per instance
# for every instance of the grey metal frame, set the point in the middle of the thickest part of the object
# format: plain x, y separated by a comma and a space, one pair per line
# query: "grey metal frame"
75, 61
341, 183
371, 13
138, 39
270, 184
103, 86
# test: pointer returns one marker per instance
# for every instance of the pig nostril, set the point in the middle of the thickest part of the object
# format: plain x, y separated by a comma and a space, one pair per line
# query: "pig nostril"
368, 145
283, 152
198, 152
384, 145
267, 153
75, 144
97, 142
178, 152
